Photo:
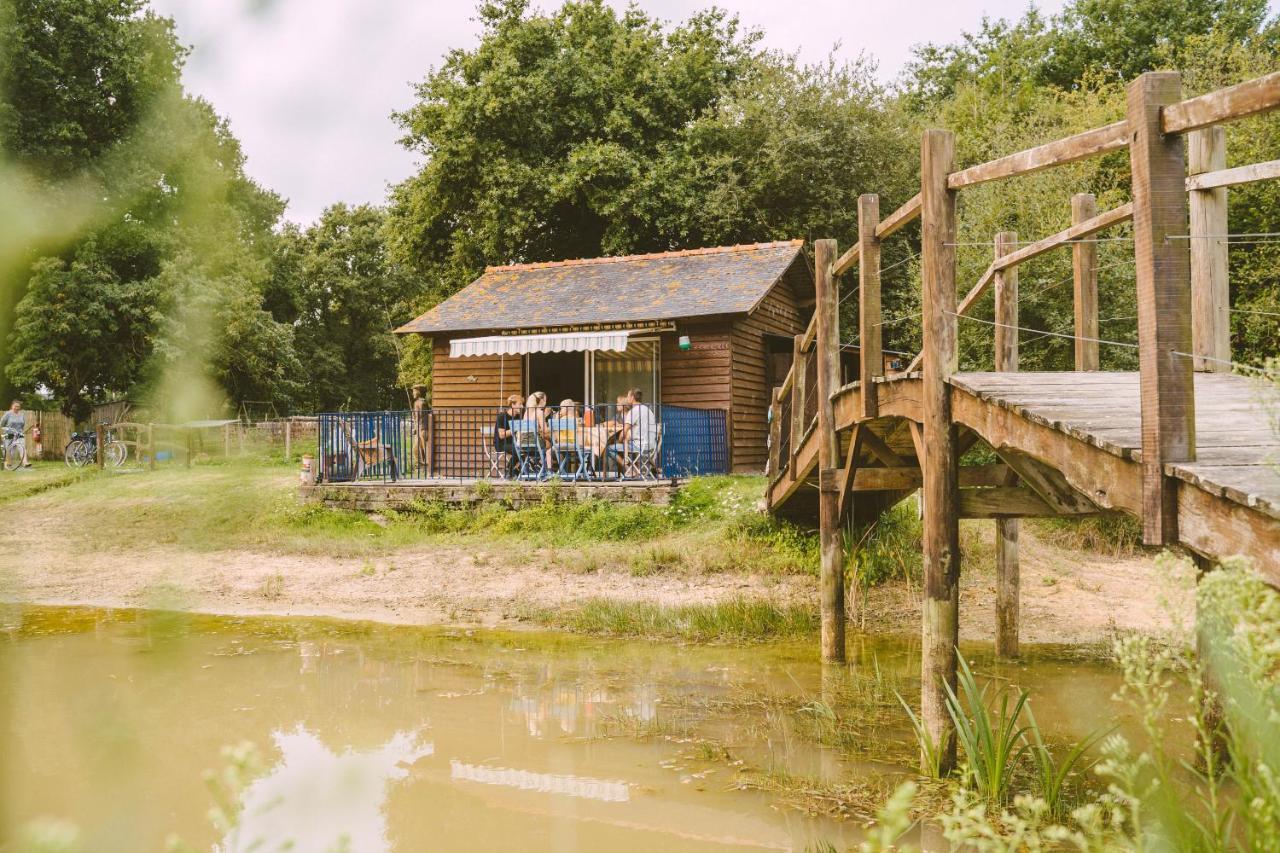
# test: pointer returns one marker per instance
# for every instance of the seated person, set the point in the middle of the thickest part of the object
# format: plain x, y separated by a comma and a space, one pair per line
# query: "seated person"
504, 435
642, 424
620, 430
535, 409
564, 428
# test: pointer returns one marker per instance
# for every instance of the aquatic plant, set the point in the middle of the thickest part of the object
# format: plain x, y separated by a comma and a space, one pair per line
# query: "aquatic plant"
930, 750
1052, 774
993, 741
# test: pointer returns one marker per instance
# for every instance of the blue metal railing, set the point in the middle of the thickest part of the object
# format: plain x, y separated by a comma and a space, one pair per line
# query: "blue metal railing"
596, 443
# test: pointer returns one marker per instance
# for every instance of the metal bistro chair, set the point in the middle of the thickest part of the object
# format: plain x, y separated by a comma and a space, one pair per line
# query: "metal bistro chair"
496, 458
369, 453
530, 454
566, 443
644, 464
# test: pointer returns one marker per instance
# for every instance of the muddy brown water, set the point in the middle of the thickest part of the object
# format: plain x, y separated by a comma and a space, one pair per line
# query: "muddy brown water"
399, 738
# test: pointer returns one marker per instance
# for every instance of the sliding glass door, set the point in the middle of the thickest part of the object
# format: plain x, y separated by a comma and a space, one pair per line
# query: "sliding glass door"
616, 373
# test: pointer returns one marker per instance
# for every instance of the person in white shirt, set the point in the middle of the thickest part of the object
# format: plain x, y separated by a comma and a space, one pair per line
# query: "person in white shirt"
641, 426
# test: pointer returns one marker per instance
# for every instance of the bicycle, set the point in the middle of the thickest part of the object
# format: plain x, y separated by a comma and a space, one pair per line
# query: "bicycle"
82, 450
14, 455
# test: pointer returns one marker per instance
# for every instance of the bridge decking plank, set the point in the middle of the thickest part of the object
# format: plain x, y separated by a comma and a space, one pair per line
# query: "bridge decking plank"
1236, 445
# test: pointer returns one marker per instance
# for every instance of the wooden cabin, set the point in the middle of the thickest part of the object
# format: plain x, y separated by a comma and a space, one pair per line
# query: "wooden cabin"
702, 328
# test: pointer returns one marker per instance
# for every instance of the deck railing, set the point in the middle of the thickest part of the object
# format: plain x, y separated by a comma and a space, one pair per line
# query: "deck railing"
465, 444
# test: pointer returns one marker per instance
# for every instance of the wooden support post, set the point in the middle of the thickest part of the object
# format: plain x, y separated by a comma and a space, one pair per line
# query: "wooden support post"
941, 609
1084, 263
288, 439
775, 434
798, 376
151, 445
101, 435
226, 440
827, 352
187, 430
870, 355
1210, 286
1164, 300
1007, 570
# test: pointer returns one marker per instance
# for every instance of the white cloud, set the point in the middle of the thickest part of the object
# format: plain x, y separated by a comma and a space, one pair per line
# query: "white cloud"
309, 85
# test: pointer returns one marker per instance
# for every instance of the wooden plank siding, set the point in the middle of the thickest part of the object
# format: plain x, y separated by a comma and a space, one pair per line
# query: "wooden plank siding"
463, 383
483, 380
777, 314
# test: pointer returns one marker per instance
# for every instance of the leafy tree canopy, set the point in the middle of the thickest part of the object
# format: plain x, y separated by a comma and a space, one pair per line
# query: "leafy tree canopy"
586, 131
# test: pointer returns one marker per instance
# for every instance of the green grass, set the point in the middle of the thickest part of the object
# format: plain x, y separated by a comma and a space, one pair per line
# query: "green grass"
40, 477
739, 620
711, 525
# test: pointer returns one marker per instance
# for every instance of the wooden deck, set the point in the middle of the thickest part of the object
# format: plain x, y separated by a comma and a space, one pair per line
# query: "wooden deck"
1084, 426
371, 496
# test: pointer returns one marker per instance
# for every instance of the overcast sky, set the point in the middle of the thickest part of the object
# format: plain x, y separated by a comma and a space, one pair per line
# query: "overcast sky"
309, 85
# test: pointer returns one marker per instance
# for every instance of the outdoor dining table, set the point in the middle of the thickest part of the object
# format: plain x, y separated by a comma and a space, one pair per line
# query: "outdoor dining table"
597, 438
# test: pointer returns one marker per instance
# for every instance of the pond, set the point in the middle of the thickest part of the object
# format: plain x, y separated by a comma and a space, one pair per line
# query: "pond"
371, 737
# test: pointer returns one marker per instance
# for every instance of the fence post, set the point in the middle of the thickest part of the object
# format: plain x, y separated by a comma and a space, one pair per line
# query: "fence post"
941, 539
101, 454
1084, 264
1007, 571
288, 440
870, 357
827, 352
187, 431
431, 434
1164, 300
151, 445
1210, 286
798, 378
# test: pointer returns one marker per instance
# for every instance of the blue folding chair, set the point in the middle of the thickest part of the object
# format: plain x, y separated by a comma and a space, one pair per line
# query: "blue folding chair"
530, 454
566, 443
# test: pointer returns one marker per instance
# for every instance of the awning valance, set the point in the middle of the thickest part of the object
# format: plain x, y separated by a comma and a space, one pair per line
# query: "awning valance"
522, 344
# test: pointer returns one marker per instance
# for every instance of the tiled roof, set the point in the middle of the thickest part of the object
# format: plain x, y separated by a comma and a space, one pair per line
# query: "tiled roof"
663, 286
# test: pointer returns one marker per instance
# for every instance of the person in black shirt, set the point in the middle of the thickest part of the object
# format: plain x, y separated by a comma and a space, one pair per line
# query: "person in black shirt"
504, 436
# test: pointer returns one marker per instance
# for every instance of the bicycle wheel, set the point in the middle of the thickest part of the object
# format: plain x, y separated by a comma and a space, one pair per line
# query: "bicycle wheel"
74, 454
12, 455
115, 453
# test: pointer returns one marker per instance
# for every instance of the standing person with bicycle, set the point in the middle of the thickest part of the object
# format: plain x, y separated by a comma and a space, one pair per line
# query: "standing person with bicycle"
13, 424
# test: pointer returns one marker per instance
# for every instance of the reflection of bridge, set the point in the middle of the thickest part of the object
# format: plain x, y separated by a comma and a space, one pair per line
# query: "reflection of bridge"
1183, 444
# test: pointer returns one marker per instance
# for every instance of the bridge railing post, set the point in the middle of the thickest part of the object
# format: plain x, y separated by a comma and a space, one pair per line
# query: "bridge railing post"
1163, 274
1210, 287
870, 349
799, 376
941, 539
827, 353
1006, 359
1084, 265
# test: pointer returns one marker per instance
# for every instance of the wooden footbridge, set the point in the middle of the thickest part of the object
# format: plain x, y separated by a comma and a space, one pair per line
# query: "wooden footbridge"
1185, 444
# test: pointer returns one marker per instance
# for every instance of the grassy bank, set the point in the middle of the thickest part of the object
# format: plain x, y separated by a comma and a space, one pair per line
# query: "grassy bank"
712, 525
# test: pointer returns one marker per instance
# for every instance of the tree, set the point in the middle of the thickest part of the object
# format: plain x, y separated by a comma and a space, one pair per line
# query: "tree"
93, 116
71, 315
586, 132
336, 285
529, 137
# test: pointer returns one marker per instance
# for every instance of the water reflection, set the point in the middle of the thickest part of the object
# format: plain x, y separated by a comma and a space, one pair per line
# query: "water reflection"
395, 738
543, 783
315, 798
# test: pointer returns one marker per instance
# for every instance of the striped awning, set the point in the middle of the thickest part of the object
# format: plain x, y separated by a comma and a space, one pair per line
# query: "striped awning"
523, 344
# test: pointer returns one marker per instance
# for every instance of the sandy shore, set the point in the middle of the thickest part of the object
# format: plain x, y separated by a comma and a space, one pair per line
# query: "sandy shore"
1067, 597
